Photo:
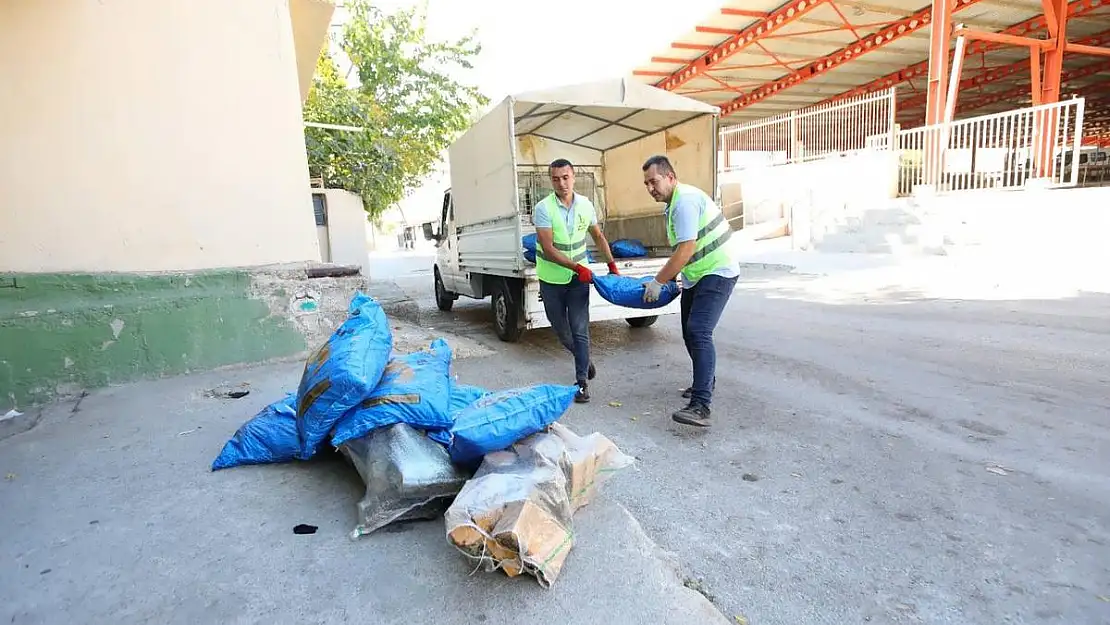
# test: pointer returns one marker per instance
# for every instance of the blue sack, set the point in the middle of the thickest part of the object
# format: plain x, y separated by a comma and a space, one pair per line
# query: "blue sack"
462, 395
415, 389
270, 436
629, 292
628, 248
501, 418
343, 372
528, 241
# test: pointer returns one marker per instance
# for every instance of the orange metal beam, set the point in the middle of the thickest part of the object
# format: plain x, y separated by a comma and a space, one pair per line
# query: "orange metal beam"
939, 40
743, 12
1035, 75
1004, 39
828, 29
1079, 48
995, 74
713, 30
936, 89
782, 16
893, 32
682, 45
1022, 91
730, 67
1077, 8
1047, 122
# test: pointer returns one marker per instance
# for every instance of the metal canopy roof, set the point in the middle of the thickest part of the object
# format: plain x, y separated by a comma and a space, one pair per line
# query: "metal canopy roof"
759, 58
602, 115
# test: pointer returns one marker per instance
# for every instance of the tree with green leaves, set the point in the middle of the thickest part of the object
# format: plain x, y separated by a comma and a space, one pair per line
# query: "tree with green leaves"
406, 100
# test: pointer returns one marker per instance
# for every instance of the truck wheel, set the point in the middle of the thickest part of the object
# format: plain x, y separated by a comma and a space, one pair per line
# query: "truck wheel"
444, 298
642, 322
506, 312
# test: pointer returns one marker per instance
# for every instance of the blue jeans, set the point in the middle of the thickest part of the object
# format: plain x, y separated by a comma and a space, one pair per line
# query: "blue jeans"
568, 309
701, 308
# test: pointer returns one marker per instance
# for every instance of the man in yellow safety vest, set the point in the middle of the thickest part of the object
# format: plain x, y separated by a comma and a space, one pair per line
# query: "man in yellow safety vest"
562, 220
699, 234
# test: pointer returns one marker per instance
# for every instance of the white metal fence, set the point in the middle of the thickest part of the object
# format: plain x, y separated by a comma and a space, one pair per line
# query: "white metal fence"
809, 134
1000, 151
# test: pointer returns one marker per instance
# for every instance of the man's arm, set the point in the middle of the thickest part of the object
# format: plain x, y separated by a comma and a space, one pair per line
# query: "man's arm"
686, 214
602, 243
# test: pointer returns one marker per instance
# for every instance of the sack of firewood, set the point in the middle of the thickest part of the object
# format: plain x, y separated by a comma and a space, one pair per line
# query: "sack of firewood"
515, 515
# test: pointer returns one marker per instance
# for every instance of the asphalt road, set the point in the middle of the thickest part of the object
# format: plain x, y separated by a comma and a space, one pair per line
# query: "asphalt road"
878, 456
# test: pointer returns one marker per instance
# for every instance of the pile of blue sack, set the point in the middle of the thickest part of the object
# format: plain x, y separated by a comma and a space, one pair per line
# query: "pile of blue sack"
628, 248
354, 385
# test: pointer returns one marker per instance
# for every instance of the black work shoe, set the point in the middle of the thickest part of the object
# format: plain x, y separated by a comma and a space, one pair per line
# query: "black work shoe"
592, 372
695, 414
583, 394
689, 392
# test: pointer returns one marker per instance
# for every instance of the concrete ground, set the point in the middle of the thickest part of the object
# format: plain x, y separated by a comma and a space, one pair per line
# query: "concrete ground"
897, 441
112, 516
890, 446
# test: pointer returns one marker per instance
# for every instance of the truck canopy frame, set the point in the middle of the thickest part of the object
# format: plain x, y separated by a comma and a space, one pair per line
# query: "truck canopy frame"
602, 115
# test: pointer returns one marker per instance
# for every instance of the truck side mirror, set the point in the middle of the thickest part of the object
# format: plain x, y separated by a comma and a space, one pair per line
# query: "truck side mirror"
429, 234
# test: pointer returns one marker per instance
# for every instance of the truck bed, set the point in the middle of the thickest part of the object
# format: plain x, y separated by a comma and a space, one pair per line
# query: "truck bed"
495, 247
600, 310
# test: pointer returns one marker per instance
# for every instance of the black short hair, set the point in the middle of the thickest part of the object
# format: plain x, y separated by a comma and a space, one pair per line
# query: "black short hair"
560, 163
662, 163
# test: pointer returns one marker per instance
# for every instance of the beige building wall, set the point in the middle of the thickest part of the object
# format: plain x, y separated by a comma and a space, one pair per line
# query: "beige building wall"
346, 231
141, 135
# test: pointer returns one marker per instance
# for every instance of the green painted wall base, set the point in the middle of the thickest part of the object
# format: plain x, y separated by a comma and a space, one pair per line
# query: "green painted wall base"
63, 333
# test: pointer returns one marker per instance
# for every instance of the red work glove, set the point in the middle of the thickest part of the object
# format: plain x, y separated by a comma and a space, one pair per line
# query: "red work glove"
613, 269
585, 276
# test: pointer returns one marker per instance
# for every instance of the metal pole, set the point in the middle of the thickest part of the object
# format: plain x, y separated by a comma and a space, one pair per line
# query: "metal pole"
1078, 141
954, 78
893, 130
940, 30
793, 147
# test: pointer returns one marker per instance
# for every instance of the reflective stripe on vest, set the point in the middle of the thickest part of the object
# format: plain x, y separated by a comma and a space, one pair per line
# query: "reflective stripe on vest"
571, 243
714, 231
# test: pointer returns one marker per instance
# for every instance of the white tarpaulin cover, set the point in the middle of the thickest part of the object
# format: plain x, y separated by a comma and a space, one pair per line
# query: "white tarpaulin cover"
602, 115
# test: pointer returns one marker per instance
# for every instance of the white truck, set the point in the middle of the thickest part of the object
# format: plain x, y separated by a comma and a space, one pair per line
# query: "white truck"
499, 172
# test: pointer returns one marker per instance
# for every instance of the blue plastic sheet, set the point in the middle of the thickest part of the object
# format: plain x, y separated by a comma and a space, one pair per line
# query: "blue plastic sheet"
343, 372
628, 248
270, 436
415, 389
496, 421
629, 292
